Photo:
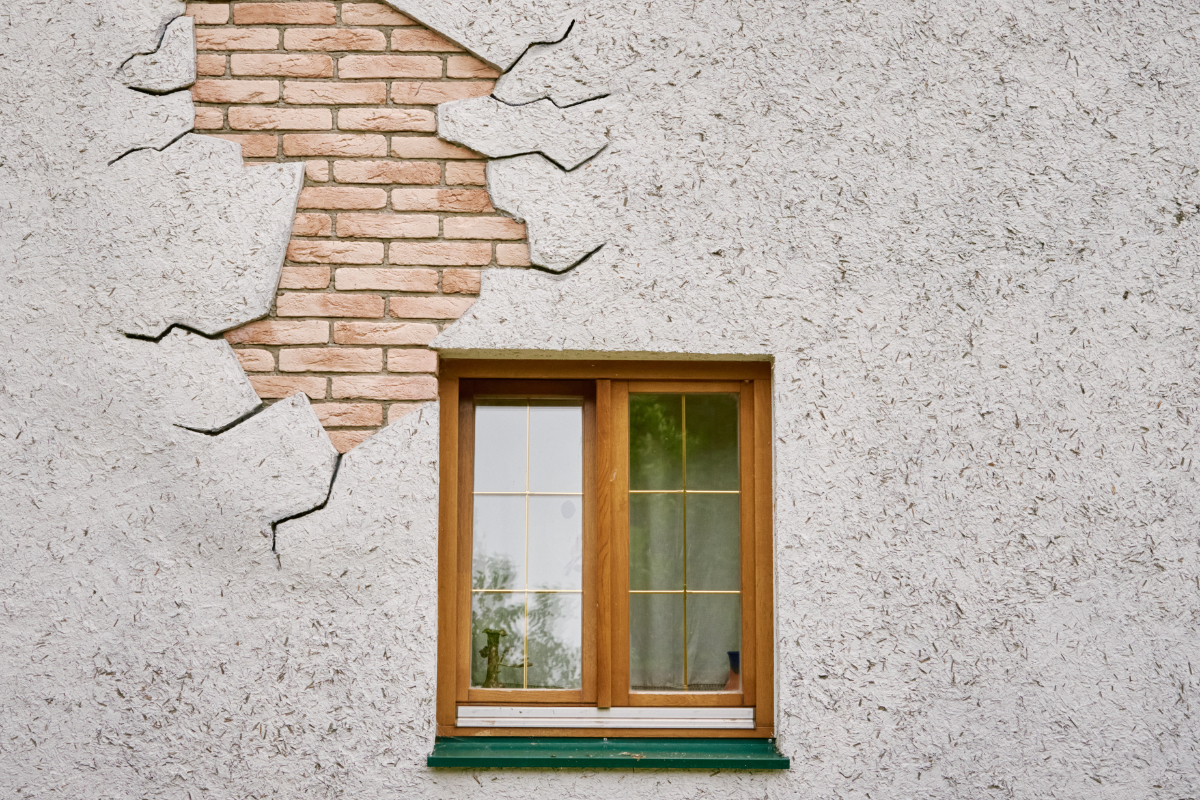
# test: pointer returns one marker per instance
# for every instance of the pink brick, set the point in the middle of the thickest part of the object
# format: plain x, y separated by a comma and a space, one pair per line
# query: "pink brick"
344, 441
209, 118
326, 93
237, 39
208, 64
389, 279
256, 145
418, 93
280, 331
354, 414
383, 332
316, 171
412, 361
272, 386
429, 307
335, 252
334, 39
424, 40
208, 13
336, 197
389, 67
388, 226
304, 278
262, 119
387, 172
289, 65
372, 14
256, 360
226, 91
428, 147
469, 173
334, 144
329, 305
386, 119
330, 359
440, 200
284, 14
512, 255
372, 387
440, 254
312, 225
460, 281
469, 67
398, 411
482, 228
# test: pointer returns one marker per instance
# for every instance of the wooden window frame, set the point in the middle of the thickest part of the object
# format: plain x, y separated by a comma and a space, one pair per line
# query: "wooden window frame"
605, 386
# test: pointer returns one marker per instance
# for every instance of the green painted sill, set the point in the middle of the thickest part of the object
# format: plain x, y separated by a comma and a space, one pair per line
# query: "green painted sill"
596, 753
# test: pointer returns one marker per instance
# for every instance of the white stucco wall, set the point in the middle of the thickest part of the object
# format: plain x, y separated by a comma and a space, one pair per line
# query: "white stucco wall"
965, 234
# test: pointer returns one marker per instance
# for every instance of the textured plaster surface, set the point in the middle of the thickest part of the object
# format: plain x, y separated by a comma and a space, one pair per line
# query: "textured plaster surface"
139, 484
965, 234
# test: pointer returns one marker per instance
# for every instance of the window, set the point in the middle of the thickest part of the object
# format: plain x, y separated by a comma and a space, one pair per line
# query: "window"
605, 549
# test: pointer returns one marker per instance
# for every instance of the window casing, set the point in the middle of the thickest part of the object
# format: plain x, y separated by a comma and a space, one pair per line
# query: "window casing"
503, 588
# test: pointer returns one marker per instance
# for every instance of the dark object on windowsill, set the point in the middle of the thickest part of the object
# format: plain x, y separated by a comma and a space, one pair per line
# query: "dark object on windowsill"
735, 671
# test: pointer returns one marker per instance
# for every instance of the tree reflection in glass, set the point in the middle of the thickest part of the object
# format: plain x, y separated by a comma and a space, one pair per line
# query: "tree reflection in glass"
527, 545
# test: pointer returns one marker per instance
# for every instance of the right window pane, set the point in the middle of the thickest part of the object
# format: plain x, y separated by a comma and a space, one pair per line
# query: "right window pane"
684, 543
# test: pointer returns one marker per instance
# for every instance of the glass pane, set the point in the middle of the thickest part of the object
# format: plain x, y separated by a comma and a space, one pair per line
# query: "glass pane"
555, 542
714, 561
500, 440
656, 541
556, 448
555, 641
498, 551
714, 624
655, 441
498, 640
712, 441
656, 642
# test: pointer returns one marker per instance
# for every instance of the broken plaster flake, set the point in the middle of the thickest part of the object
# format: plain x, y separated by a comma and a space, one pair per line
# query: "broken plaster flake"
364, 511
134, 121
545, 197
275, 464
169, 68
497, 34
564, 71
198, 381
566, 136
201, 238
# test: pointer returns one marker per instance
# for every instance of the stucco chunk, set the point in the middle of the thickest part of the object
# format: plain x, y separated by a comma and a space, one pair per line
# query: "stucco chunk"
566, 136
198, 381
273, 465
201, 238
553, 69
169, 68
536, 191
498, 39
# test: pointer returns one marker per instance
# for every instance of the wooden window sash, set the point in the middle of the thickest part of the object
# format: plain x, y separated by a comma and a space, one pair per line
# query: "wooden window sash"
469, 390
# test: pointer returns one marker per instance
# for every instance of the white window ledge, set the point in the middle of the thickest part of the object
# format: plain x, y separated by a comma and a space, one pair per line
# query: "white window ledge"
583, 717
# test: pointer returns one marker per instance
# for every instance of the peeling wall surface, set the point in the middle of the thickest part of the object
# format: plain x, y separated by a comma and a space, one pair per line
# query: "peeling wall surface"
965, 233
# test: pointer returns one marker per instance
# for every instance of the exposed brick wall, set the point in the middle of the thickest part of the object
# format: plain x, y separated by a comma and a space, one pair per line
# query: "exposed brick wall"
394, 224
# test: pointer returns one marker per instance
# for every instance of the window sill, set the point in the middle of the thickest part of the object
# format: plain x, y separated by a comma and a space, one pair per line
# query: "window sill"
592, 753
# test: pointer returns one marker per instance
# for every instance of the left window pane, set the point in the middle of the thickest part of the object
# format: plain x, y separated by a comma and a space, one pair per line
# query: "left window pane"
527, 544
